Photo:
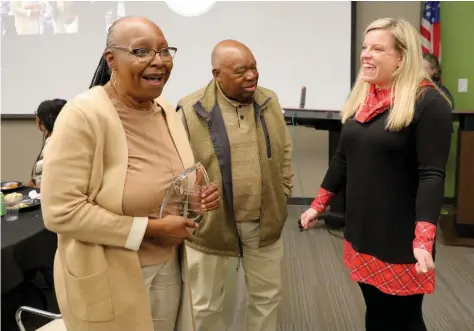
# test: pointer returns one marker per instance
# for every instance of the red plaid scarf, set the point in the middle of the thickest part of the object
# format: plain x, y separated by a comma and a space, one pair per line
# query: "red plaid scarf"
377, 101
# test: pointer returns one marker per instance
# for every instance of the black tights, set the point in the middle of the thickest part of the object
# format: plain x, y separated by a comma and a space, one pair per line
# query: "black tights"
392, 312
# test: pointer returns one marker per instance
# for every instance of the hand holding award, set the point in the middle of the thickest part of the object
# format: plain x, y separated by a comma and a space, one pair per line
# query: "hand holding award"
186, 200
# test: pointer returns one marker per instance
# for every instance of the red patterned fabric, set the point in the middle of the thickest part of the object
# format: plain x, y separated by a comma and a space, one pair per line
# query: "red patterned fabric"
395, 279
322, 199
376, 102
425, 233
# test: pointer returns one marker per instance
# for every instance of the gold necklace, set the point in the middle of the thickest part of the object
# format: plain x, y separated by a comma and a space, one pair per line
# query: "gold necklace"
125, 103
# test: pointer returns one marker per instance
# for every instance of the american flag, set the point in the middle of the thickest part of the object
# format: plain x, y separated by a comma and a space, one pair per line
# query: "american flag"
430, 29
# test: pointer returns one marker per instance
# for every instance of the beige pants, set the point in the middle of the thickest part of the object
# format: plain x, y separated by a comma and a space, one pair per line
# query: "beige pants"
262, 267
163, 282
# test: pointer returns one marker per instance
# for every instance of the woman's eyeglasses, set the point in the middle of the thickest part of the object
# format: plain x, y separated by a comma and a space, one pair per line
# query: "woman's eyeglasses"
148, 54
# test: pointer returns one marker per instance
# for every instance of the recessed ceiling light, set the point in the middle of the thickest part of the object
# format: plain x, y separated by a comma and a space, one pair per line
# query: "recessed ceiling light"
190, 8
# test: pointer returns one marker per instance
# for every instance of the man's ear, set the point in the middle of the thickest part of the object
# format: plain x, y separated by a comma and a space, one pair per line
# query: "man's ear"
216, 73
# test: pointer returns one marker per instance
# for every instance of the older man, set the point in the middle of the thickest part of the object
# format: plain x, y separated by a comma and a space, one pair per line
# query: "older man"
237, 131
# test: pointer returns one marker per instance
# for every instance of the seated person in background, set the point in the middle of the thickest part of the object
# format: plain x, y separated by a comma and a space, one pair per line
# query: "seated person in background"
434, 70
46, 115
116, 149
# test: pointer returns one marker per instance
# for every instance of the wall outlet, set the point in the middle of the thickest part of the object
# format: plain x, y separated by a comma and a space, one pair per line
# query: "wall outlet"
462, 85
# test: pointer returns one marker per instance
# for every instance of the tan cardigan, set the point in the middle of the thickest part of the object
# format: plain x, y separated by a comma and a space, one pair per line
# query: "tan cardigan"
98, 279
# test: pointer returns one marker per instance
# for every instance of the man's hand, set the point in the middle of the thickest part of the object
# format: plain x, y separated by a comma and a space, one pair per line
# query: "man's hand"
424, 260
208, 197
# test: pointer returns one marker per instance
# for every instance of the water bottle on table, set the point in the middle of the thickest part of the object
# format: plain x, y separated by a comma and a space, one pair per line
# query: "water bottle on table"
12, 204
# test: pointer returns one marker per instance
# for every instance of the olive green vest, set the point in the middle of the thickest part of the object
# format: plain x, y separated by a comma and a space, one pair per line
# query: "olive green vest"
203, 120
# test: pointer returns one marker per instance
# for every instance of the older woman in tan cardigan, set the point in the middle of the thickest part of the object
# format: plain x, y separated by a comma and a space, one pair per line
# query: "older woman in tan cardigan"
115, 150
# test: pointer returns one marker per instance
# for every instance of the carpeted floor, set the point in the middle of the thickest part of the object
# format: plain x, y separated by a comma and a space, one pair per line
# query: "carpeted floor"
319, 296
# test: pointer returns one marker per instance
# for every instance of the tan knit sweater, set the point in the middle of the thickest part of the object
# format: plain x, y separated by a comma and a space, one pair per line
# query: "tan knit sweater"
241, 129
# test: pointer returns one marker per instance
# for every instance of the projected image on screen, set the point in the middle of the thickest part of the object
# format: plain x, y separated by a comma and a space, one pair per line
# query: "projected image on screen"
58, 17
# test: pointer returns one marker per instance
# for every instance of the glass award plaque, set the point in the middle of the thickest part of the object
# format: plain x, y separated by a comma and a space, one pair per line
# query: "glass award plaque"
183, 196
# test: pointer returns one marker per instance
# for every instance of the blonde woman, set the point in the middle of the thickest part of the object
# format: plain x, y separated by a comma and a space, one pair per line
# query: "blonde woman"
391, 159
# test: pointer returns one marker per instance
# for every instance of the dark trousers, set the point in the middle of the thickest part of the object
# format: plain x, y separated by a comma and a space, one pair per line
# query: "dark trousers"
387, 312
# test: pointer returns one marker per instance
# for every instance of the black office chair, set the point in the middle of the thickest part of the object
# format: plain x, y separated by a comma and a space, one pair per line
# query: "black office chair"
56, 324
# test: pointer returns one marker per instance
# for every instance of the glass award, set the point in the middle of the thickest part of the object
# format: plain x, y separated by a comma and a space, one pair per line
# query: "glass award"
183, 196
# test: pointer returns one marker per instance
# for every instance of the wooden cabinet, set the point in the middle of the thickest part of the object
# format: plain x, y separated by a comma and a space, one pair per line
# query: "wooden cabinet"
464, 185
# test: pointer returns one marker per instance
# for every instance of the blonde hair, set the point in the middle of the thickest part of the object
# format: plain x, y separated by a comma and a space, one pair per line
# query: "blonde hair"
406, 79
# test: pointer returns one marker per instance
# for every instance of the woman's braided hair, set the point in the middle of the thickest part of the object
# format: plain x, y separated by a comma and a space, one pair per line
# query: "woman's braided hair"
102, 73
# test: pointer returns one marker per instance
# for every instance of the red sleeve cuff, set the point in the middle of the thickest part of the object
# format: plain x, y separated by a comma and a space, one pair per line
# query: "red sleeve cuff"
425, 233
321, 202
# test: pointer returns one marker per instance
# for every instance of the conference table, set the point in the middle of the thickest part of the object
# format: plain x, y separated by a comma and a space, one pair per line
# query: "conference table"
464, 183
27, 246
326, 120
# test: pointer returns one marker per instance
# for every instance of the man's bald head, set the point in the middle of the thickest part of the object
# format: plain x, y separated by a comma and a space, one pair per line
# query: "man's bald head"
227, 50
235, 69
127, 27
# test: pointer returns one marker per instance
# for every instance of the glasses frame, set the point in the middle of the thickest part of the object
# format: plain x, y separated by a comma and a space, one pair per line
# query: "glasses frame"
131, 50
